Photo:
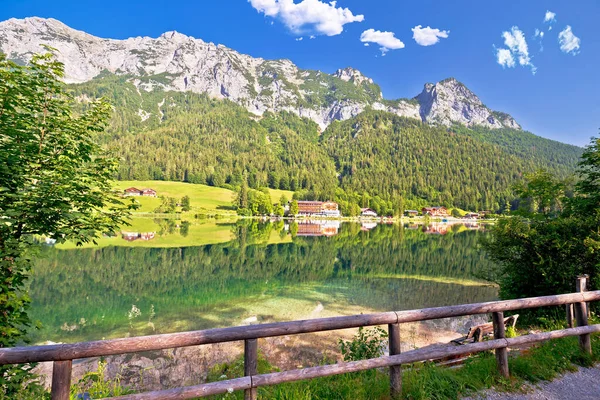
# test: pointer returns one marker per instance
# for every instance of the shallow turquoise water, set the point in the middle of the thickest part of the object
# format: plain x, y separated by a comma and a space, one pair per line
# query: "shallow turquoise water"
115, 291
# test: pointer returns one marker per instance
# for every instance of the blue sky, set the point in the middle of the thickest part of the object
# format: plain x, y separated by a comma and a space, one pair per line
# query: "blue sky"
560, 101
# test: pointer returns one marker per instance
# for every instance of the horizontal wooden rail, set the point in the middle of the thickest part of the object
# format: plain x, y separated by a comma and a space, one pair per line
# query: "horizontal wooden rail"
413, 356
63, 352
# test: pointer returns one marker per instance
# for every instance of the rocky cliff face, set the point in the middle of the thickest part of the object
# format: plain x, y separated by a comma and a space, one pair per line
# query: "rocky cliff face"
449, 101
178, 62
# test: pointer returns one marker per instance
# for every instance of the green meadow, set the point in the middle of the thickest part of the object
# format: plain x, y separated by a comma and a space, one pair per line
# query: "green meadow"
203, 199
276, 194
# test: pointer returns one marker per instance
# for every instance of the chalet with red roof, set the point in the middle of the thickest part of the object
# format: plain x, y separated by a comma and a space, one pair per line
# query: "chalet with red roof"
438, 211
133, 191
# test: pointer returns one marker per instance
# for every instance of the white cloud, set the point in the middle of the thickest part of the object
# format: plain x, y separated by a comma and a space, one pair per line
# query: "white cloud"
539, 36
428, 36
312, 37
550, 17
387, 40
517, 45
569, 43
312, 16
505, 58
299, 39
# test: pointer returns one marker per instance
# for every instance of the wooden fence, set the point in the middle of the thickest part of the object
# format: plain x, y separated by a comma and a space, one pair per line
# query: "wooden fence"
63, 354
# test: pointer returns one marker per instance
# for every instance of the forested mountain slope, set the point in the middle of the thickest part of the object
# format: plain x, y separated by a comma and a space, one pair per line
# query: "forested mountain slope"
375, 159
392, 156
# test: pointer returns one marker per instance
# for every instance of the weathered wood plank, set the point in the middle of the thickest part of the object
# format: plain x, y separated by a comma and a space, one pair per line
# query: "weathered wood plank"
581, 314
250, 365
502, 352
99, 348
61, 380
570, 322
191, 392
395, 370
422, 354
408, 357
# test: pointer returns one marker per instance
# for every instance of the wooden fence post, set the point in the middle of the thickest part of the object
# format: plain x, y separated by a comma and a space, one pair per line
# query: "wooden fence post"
499, 333
395, 370
61, 380
581, 314
569, 308
250, 365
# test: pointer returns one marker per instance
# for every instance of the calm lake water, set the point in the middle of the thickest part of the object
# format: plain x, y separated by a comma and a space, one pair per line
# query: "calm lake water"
164, 276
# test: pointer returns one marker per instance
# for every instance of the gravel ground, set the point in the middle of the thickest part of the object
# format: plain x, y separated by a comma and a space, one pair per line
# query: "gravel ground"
581, 385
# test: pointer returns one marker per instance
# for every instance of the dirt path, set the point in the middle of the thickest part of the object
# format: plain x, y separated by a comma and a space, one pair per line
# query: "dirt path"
581, 385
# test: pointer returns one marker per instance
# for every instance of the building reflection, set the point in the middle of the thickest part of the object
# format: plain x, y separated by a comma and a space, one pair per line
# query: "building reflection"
131, 236
318, 228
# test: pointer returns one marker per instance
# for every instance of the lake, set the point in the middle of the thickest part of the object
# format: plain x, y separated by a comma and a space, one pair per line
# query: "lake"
160, 276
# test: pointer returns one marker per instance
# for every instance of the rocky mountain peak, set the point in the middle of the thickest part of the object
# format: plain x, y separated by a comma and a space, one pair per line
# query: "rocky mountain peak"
450, 101
175, 36
177, 62
350, 74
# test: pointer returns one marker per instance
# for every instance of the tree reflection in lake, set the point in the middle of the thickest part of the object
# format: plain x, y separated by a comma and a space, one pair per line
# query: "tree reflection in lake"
85, 294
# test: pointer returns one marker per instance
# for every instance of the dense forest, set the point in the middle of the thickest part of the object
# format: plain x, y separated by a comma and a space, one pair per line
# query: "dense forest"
375, 159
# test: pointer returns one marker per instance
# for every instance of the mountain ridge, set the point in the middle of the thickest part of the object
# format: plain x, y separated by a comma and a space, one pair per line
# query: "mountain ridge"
177, 62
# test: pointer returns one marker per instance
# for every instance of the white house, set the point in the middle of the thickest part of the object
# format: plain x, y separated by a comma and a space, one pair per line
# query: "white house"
367, 212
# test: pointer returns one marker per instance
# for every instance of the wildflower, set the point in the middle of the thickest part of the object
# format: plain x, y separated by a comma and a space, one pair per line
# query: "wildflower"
134, 313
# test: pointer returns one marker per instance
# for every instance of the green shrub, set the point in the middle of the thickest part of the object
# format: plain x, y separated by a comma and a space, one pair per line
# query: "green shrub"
98, 385
368, 343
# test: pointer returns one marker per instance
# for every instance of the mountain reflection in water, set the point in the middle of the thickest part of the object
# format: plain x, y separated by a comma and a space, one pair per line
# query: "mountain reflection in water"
267, 272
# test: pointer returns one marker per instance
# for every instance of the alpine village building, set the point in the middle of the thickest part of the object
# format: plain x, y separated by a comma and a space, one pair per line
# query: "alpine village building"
435, 211
132, 191
318, 209
368, 213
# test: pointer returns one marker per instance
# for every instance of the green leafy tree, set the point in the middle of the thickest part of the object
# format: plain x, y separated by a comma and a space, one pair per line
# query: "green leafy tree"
279, 211
185, 203
55, 181
294, 207
588, 187
167, 205
542, 254
218, 179
541, 193
283, 200
242, 197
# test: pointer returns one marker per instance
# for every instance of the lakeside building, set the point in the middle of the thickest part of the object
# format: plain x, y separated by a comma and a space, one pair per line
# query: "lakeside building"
411, 213
131, 236
132, 191
368, 212
149, 192
318, 209
437, 211
472, 215
318, 228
